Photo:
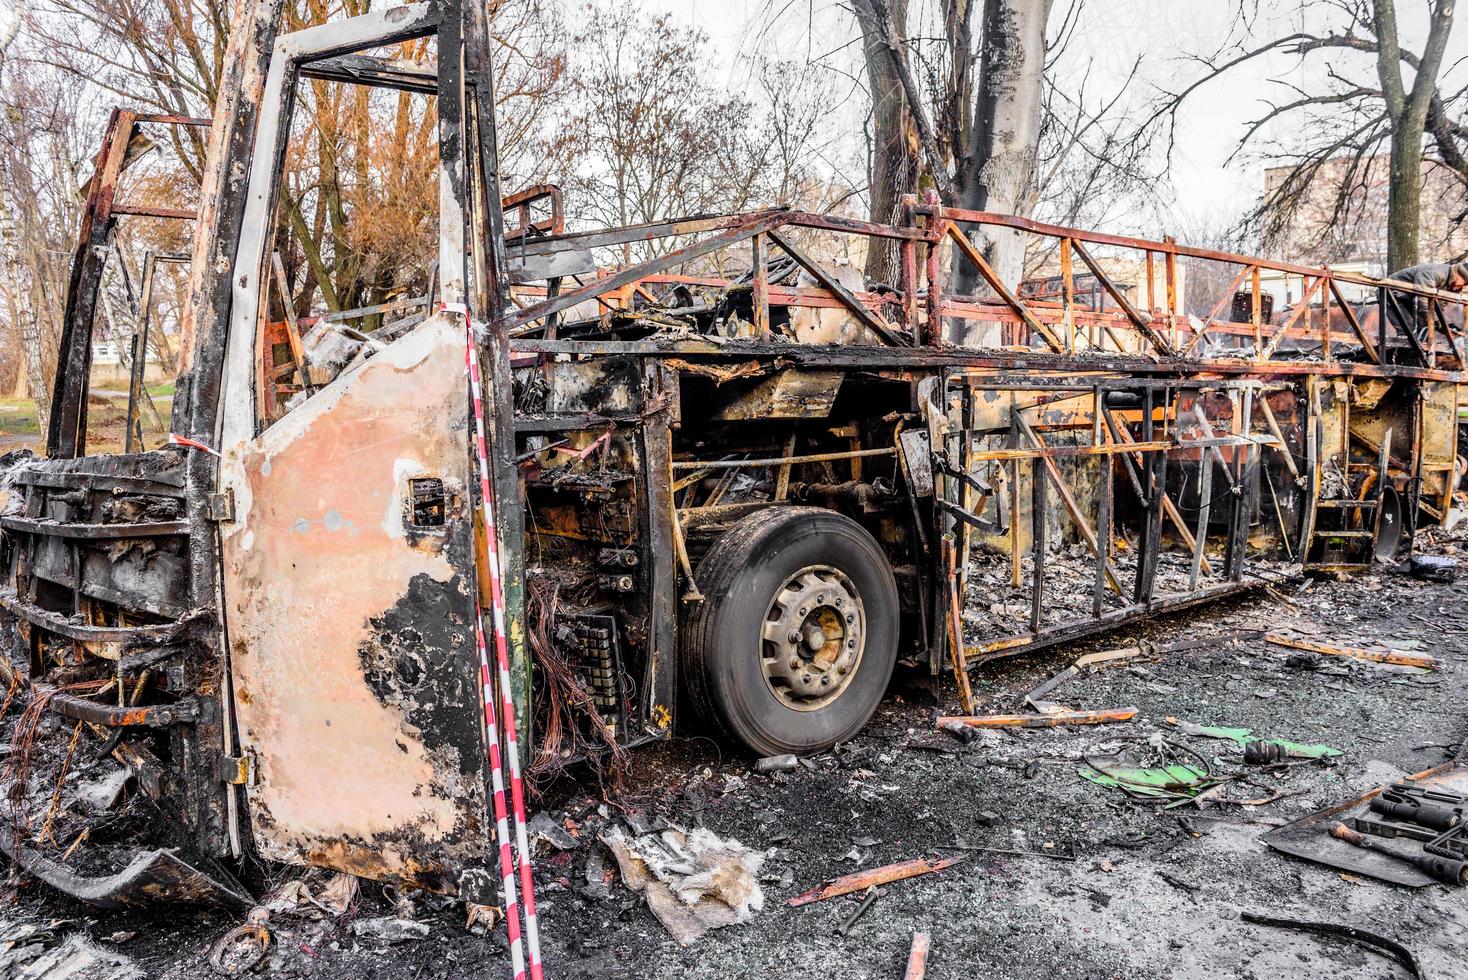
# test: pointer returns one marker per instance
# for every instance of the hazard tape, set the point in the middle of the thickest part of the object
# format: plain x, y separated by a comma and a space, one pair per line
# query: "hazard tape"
506, 705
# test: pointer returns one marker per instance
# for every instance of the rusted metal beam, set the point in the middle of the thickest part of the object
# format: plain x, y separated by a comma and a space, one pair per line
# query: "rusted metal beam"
516, 323
997, 284
1100, 717
1142, 323
854, 306
917, 957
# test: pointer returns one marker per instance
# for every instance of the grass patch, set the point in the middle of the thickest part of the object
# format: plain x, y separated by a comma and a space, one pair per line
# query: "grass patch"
18, 417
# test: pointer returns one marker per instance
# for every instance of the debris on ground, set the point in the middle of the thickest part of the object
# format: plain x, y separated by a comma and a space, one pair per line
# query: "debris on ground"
693, 881
1433, 568
1056, 718
1371, 940
78, 958
1158, 769
1408, 832
857, 881
917, 957
390, 929
776, 763
1244, 738
1401, 658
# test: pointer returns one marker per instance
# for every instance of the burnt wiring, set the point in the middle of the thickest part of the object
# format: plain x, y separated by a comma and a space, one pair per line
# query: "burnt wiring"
565, 711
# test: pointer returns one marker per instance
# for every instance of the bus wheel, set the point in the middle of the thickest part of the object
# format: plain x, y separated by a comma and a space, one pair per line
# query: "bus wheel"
793, 645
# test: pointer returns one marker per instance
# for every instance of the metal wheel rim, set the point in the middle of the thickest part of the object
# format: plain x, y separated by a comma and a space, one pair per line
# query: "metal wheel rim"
813, 638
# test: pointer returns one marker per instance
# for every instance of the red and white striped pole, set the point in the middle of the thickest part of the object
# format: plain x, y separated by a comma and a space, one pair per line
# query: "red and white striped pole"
502, 657
502, 829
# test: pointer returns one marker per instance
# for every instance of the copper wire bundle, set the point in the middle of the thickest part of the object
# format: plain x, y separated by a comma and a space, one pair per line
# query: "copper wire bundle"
563, 702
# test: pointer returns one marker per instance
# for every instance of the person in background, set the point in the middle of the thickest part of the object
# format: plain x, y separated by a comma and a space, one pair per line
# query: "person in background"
1409, 312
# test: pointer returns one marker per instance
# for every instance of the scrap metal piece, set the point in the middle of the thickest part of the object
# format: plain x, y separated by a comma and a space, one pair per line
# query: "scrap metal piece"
1100, 717
1308, 838
1449, 871
1399, 657
151, 877
917, 957
1381, 944
856, 881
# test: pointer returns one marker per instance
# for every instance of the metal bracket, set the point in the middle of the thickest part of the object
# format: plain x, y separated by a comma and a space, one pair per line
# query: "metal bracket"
237, 770
220, 506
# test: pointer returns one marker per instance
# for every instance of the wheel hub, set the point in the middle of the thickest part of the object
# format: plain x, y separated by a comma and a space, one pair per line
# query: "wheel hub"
814, 634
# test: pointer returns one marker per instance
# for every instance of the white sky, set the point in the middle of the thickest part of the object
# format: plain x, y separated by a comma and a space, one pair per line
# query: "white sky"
1205, 185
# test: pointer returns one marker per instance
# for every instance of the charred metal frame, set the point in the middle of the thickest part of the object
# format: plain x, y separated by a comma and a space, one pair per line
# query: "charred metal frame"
952, 455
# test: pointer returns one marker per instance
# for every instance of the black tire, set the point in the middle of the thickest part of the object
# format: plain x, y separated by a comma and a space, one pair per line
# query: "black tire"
724, 646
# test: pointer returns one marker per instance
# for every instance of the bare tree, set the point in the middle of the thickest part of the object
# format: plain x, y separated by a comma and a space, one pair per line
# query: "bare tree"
976, 138
646, 134
1361, 107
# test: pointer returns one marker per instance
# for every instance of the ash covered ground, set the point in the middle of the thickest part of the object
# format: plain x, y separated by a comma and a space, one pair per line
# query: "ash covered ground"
1125, 889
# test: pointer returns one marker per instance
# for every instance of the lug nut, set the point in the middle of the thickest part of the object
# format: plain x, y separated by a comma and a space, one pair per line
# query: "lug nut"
825, 681
821, 599
840, 602
850, 618
794, 663
844, 669
851, 644
805, 678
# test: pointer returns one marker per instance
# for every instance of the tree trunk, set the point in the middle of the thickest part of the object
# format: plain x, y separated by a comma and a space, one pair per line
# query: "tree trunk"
999, 163
1404, 212
895, 164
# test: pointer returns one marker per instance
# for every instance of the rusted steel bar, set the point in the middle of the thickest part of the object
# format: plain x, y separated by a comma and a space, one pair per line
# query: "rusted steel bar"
1067, 294
725, 464
868, 319
1037, 544
1223, 301
1256, 316
1016, 572
1173, 248
153, 211
862, 880
645, 232
1205, 501
1103, 534
1278, 334
292, 329
1088, 534
180, 712
519, 321
1455, 343
1140, 322
955, 627
917, 957
1399, 657
997, 284
1106, 716
167, 119
1065, 452
56, 529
